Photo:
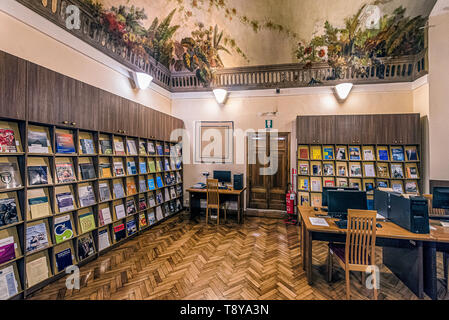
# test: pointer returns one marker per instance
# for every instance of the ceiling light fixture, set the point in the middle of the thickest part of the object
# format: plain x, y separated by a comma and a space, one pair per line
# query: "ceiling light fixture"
142, 80
220, 95
343, 90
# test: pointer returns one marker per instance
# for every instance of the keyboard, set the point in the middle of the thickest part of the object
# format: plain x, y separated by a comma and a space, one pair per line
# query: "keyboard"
223, 188
343, 224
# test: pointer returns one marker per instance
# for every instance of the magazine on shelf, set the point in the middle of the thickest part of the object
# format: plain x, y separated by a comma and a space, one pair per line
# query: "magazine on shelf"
7, 249
131, 166
118, 168
142, 221
143, 167
105, 170
86, 196
118, 190
159, 197
65, 172
151, 201
8, 283
120, 211
105, 193
87, 146
103, 239
85, 247
87, 222
9, 175
151, 218
37, 142
106, 146
142, 185
151, 150
39, 207
119, 232
87, 171
130, 207
131, 227
119, 148
36, 237
159, 214
37, 175
63, 228
7, 141
63, 259
8, 211
65, 201
104, 216
131, 145
142, 149
64, 143
142, 203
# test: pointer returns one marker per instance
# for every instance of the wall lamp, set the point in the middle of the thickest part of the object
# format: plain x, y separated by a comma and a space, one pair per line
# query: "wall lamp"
142, 80
220, 95
343, 90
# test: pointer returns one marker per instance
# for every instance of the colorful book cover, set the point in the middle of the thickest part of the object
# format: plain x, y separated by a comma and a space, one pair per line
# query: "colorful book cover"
106, 146
103, 239
316, 153
65, 172
7, 141
159, 182
151, 218
37, 142
119, 232
87, 222
304, 184
304, 153
142, 149
36, 237
119, 148
118, 190
131, 227
85, 247
159, 165
412, 155
130, 207
105, 216
341, 153
142, 203
328, 154
64, 143
63, 259
131, 144
87, 146
354, 153
7, 250
131, 187
142, 221
397, 154
63, 228
383, 155
151, 185
159, 149
37, 175
143, 167
65, 201
152, 166
131, 166
151, 150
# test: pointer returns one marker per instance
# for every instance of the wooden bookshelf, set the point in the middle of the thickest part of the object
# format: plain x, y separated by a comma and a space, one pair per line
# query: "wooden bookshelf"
24, 159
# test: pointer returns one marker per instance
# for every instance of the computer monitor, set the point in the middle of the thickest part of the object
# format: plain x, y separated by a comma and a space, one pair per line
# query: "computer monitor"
340, 201
440, 198
324, 202
222, 176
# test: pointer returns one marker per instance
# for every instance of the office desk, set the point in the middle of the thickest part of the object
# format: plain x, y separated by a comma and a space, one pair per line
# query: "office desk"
195, 195
403, 251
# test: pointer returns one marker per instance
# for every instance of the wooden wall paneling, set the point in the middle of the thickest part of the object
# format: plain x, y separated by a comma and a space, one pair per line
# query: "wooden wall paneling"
85, 107
143, 118
12, 86
44, 94
109, 107
410, 132
346, 130
367, 129
316, 129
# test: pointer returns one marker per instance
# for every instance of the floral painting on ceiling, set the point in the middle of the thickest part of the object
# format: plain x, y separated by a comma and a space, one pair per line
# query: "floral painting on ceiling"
191, 37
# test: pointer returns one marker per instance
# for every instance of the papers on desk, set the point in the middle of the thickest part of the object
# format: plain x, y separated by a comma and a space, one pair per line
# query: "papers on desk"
445, 224
432, 228
379, 217
318, 222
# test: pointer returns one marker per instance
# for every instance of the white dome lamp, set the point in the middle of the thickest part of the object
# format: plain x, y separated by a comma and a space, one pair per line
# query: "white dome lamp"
343, 90
220, 95
142, 80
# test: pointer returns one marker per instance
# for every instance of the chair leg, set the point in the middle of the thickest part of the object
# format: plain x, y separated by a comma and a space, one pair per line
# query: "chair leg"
218, 215
329, 265
375, 285
446, 269
207, 215
348, 285
363, 279
225, 213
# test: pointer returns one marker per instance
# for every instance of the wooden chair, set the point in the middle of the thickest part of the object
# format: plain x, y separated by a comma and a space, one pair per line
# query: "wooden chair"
213, 200
359, 251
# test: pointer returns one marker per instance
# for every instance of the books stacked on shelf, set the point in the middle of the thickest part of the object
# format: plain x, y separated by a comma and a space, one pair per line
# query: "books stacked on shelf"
64, 142
63, 228
86, 247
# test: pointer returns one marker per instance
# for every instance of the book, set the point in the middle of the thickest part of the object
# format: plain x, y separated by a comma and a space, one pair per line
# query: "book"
166, 165
39, 207
142, 221
87, 171
119, 232
7, 249
369, 170
86, 196
159, 149
356, 170
37, 270
152, 166
159, 182
151, 185
354, 153
412, 154
36, 237
106, 146
131, 166
8, 283
411, 187
8, 212
167, 149
131, 227
142, 149
130, 207
303, 169
64, 143
303, 153
118, 190
397, 154
341, 170
65, 172
342, 183
103, 239
328, 153
151, 218
316, 153
151, 150
85, 247
131, 145
87, 146
120, 211
341, 153
328, 169
151, 200
37, 175
304, 199
368, 155
118, 168
412, 172
143, 167
396, 171
104, 215
63, 228
167, 194
37, 142
316, 169
143, 203
304, 184
10, 175
172, 193
159, 214
397, 187
159, 197
63, 259
131, 187
142, 185
7, 140
105, 193
382, 170
119, 148
87, 222
383, 155
105, 170
158, 165
65, 201
316, 185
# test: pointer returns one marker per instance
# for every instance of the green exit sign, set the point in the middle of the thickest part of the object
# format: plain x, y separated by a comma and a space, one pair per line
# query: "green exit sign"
268, 124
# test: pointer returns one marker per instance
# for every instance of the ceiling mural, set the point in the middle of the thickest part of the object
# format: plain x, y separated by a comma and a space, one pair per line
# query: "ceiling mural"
201, 36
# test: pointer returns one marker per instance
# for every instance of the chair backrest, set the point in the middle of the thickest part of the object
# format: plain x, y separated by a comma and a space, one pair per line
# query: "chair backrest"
213, 197
361, 237
434, 212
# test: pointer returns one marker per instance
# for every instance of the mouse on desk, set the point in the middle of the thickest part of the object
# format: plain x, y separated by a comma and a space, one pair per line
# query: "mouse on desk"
316, 209
378, 225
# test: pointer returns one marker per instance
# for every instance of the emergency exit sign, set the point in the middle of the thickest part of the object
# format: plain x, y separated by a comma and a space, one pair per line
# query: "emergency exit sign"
268, 124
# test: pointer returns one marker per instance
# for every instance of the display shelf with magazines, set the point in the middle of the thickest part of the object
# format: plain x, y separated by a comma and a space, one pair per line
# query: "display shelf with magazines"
365, 167
69, 195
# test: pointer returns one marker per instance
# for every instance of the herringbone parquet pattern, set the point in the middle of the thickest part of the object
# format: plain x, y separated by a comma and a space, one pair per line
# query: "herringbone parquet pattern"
184, 260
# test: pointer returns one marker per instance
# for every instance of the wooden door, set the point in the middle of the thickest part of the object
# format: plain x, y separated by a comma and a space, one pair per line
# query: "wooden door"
12, 86
267, 187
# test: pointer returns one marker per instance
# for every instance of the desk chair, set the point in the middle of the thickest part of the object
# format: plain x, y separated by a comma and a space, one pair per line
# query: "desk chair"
359, 251
213, 200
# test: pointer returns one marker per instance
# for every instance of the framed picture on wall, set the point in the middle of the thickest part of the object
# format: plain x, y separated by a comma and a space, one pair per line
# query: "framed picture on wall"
214, 142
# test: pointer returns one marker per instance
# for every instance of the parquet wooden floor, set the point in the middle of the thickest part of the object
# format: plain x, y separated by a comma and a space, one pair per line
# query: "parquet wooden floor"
183, 260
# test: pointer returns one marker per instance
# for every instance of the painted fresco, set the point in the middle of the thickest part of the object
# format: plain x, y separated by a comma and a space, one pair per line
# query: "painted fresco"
201, 36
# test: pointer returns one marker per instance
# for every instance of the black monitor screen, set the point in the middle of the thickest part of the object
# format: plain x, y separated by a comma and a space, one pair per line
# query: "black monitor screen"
326, 194
340, 201
222, 176
440, 198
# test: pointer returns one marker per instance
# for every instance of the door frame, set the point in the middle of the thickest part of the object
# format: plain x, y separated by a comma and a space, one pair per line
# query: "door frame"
248, 186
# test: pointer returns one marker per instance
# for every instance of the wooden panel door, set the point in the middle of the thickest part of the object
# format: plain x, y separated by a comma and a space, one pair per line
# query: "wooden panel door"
109, 108
12, 86
85, 106
268, 170
45, 94
410, 129
316, 129
346, 129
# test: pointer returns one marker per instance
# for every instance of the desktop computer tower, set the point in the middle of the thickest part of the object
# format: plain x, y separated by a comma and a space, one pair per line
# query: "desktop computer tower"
238, 181
410, 213
382, 202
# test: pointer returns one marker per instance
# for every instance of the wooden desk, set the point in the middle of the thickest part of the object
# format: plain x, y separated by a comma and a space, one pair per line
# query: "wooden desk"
401, 247
197, 194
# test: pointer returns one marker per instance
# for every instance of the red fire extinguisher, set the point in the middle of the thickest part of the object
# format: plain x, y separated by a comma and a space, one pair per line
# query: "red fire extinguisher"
290, 199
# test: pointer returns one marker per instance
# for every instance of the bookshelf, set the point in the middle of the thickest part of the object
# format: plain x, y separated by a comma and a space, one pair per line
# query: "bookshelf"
60, 184
354, 151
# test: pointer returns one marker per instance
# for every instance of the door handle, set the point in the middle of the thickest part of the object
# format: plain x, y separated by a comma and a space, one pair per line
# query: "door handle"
65, 122
73, 123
